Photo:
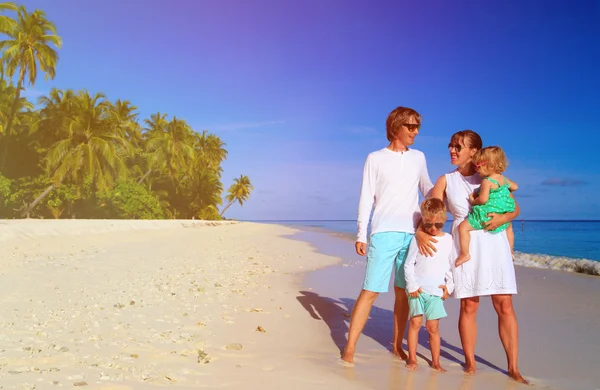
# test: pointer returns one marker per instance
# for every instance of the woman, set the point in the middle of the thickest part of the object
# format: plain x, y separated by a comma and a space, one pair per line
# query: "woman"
490, 270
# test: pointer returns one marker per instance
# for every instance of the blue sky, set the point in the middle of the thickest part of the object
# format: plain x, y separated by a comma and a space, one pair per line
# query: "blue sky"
300, 91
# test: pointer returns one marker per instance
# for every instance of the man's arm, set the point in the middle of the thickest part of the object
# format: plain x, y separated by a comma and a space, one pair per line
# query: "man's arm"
367, 199
425, 184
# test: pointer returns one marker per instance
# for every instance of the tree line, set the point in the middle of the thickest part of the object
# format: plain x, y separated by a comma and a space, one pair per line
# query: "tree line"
76, 154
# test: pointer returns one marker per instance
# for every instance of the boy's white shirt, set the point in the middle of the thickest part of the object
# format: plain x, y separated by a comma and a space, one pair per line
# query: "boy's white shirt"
391, 182
427, 273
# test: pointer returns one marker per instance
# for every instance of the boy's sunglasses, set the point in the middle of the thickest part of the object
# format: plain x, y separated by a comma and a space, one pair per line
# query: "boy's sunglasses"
428, 225
412, 126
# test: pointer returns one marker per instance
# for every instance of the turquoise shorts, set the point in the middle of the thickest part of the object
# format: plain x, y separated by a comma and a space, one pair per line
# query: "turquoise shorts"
387, 251
431, 306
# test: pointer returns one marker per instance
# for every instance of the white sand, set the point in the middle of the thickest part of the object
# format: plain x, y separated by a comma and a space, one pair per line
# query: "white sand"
135, 304
185, 304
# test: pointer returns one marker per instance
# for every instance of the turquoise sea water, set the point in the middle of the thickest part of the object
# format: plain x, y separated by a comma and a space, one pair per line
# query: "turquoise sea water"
547, 244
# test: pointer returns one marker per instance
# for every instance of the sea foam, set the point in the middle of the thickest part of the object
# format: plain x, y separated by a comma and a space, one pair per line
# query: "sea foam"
583, 266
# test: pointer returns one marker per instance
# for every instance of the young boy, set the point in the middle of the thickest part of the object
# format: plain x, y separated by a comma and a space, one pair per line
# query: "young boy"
428, 283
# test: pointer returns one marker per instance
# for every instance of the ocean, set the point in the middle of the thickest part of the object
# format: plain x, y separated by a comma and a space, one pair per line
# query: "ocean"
562, 245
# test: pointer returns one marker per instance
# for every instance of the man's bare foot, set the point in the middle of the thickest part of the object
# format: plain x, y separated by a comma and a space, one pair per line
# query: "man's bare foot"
469, 369
348, 355
411, 364
398, 352
461, 259
516, 375
438, 367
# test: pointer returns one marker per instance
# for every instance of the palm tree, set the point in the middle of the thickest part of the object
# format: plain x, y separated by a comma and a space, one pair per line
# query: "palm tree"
169, 146
28, 47
239, 191
6, 102
89, 148
210, 150
205, 189
6, 23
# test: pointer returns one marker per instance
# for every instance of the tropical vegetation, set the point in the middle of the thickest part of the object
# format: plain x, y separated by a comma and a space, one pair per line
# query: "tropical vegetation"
77, 154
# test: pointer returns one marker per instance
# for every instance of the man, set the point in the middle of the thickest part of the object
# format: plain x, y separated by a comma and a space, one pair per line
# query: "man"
392, 178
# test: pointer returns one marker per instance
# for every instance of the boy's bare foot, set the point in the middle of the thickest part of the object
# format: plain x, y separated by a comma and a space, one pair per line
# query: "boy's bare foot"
348, 355
516, 375
461, 259
438, 367
411, 364
469, 369
398, 352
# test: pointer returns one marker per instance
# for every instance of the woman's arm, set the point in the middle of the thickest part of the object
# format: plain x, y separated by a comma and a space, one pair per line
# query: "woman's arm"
425, 241
439, 189
500, 219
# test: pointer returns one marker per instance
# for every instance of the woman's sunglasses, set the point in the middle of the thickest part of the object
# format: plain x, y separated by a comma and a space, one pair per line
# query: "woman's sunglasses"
455, 146
412, 126
428, 225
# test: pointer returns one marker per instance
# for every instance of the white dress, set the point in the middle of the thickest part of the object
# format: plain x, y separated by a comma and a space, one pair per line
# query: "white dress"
491, 270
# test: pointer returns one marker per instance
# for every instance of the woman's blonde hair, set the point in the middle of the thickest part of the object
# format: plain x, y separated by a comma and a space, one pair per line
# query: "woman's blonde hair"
493, 156
433, 207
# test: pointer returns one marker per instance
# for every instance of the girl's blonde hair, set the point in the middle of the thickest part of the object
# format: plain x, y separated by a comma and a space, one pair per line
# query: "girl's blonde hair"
493, 156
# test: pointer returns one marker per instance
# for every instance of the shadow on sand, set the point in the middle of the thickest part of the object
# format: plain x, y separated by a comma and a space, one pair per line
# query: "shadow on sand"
336, 314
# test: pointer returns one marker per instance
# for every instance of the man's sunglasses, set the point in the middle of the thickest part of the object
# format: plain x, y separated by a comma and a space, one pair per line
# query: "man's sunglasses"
455, 146
428, 225
412, 126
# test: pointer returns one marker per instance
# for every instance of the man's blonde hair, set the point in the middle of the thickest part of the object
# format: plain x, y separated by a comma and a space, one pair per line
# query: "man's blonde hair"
493, 156
433, 207
398, 117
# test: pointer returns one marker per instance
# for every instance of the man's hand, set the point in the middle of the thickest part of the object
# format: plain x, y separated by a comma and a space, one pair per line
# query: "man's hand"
416, 293
361, 248
425, 243
495, 221
446, 295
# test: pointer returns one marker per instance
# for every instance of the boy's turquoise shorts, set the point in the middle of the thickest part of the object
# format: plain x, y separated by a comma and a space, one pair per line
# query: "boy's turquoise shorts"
387, 251
431, 306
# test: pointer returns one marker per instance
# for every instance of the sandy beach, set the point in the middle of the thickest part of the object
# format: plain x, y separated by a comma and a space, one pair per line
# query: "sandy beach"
189, 304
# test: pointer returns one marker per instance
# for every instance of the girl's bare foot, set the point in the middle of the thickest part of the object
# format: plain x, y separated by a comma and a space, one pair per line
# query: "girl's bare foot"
411, 364
438, 367
516, 375
461, 259
399, 353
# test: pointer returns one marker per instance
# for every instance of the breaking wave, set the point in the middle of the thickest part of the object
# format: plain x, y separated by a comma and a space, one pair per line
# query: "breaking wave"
582, 266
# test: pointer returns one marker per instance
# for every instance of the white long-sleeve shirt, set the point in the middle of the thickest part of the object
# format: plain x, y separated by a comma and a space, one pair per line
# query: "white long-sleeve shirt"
428, 273
391, 182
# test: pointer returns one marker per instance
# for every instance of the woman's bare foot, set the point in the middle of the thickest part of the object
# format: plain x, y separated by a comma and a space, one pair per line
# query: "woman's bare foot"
461, 259
399, 353
516, 375
348, 356
411, 364
438, 367
469, 369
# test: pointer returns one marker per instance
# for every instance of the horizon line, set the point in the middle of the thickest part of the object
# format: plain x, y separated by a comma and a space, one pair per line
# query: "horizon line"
354, 220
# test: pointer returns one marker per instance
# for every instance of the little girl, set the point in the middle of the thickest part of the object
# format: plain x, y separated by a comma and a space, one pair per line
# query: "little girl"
494, 197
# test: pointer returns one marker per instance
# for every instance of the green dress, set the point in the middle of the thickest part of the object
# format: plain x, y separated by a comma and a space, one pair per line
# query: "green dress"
499, 202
